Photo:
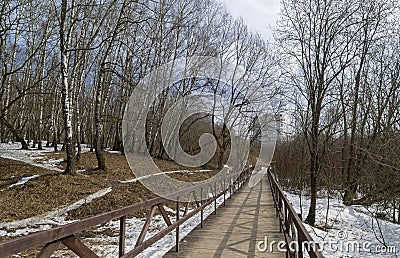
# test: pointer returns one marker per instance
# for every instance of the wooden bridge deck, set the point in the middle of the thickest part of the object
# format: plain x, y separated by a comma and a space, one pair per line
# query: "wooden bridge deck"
238, 227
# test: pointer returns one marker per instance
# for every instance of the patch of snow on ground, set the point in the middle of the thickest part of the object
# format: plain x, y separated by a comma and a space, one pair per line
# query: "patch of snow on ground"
164, 173
23, 180
47, 220
32, 156
109, 150
352, 230
14, 151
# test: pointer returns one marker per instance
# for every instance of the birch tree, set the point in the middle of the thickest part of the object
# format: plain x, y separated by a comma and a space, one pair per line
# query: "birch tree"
65, 39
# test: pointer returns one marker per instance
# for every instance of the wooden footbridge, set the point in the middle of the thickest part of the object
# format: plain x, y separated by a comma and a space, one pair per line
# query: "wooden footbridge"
252, 222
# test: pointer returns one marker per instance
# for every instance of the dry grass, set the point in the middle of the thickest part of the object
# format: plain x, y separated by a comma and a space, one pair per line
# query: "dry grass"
11, 171
121, 196
44, 194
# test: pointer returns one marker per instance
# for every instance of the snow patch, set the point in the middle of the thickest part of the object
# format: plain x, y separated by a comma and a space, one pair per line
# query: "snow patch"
47, 220
347, 225
32, 156
23, 180
164, 173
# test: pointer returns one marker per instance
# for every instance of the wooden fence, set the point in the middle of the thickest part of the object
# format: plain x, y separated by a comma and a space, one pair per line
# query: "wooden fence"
50, 240
296, 236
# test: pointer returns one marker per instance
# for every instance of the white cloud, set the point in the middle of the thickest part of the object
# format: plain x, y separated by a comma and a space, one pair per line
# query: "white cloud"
259, 15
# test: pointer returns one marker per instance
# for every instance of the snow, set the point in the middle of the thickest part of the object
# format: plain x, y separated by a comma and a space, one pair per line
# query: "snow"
32, 156
164, 173
14, 151
109, 150
47, 220
23, 180
352, 230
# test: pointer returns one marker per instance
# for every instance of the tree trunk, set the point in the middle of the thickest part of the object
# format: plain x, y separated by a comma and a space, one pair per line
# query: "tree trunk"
41, 88
67, 110
101, 162
314, 164
313, 202
16, 132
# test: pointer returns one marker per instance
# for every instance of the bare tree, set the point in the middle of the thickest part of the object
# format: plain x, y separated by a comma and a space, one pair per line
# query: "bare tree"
312, 35
65, 38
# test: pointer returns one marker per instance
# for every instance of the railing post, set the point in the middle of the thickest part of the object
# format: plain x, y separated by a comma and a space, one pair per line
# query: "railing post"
224, 191
230, 188
122, 233
280, 205
286, 215
201, 212
177, 228
300, 244
277, 204
215, 199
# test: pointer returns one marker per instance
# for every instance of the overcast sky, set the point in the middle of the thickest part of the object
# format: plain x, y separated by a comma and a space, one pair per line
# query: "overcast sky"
259, 15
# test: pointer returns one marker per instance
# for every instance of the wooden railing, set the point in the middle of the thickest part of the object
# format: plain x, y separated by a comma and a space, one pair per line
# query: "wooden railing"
50, 240
296, 236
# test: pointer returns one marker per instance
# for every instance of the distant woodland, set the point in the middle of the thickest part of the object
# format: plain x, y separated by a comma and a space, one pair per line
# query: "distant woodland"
68, 68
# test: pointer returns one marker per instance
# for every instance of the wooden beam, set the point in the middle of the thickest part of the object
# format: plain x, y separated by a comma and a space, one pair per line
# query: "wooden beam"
122, 233
164, 214
49, 249
186, 209
79, 248
177, 238
196, 200
146, 226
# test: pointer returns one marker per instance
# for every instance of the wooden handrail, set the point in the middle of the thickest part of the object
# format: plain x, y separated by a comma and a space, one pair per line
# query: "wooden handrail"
291, 224
52, 238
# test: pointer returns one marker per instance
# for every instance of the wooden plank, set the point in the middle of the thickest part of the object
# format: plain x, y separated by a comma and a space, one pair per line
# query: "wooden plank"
122, 233
48, 249
79, 248
177, 228
146, 226
164, 214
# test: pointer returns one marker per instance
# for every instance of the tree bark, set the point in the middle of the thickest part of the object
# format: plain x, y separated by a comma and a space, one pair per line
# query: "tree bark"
101, 162
67, 111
